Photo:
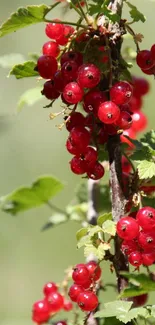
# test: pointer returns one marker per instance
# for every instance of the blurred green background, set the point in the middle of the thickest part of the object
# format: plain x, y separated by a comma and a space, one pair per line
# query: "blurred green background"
31, 145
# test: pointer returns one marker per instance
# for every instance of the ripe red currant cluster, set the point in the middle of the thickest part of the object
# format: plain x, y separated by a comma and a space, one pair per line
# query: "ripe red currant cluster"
146, 60
52, 303
106, 112
83, 290
138, 236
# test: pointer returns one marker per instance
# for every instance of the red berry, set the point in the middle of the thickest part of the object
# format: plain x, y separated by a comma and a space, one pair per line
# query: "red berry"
135, 104
139, 121
102, 136
126, 167
121, 93
51, 48
96, 172
73, 149
135, 258
127, 228
94, 270
147, 240
72, 56
125, 120
74, 291
68, 31
90, 155
153, 52
131, 134
144, 60
80, 137
87, 301
49, 288
80, 274
87, 284
59, 81
141, 300
141, 86
72, 93
54, 30
69, 71
146, 218
40, 312
88, 75
129, 246
148, 258
47, 66
50, 91
56, 302
68, 305
108, 112
150, 71
75, 119
78, 167
92, 100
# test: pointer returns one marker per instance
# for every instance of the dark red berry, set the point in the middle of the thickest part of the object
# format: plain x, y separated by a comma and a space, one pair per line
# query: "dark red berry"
121, 92
153, 52
80, 137
108, 112
59, 81
94, 270
141, 300
50, 91
129, 246
40, 312
96, 172
141, 86
72, 56
88, 75
146, 218
47, 66
56, 302
51, 48
78, 167
92, 100
80, 274
54, 30
135, 103
73, 149
75, 119
135, 258
74, 291
102, 136
90, 155
127, 228
125, 120
72, 93
144, 60
87, 301
49, 288
69, 71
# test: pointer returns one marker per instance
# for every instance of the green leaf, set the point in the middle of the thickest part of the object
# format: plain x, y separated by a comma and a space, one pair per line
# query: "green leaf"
135, 14
145, 153
153, 310
114, 309
109, 227
77, 212
24, 198
149, 139
146, 169
98, 252
25, 70
81, 233
25, 17
138, 284
133, 314
9, 60
101, 219
55, 220
94, 230
30, 97
110, 15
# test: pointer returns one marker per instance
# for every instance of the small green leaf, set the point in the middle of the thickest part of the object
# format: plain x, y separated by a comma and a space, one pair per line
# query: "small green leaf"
25, 70
55, 220
149, 139
146, 169
109, 227
24, 198
94, 230
153, 310
145, 153
30, 97
101, 219
114, 309
9, 60
110, 15
77, 212
98, 252
132, 314
135, 14
81, 233
25, 17
138, 284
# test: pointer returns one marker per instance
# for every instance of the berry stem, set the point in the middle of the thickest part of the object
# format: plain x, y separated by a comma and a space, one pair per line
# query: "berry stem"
131, 32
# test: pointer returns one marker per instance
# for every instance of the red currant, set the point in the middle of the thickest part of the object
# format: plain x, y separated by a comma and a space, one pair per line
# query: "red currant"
90, 155
80, 274
121, 93
73, 149
51, 48
78, 166
50, 91
126, 166
127, 228
94, 270
75, 119
59, 81
146, 218
140, 300
131, 134
68, 305
108, 112
47, 66
147, 240
141, 86
40, 312
56, 302
88, 75
92, 100
74, 291
153, 52
72, 93
72, 56
54, 30
69, 71
139, 121
129, 246
49, 288
68, 31
148, 258
96, 172
144, 60
80, 137
135, 258
125, 120
87, 301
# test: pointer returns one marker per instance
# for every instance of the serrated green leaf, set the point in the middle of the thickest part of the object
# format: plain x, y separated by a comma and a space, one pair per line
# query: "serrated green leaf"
81, 233
24, 198
135, 14
109, 227
9, 60
94, 230
132, 314
146, 169
25, 70
29, 97
98, 252
55, 220
110, 15
138, 284
145, 153
101, 219
25, 17
114, 308
149, 139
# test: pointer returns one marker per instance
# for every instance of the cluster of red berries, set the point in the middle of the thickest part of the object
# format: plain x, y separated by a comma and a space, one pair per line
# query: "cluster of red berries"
138, 233
83, 290
146, 60
105, 112
52, 303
